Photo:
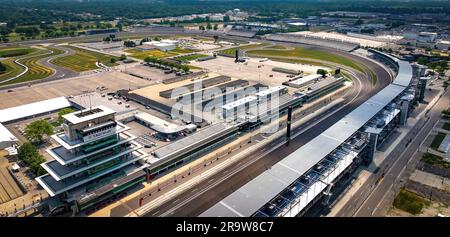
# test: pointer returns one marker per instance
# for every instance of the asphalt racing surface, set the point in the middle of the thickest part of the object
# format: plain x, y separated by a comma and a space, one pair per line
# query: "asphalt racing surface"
207, 193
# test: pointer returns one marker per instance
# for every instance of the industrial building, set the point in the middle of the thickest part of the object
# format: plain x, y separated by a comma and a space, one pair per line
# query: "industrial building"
163, 45
95, 160
293, 185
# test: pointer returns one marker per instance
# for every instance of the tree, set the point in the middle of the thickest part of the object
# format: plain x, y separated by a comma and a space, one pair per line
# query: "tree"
112, 60
209, 26
201, 27
29, 154
422, 60
123, 57
443, 64
129, 43
322, 72
36, 130
63, 112
216, 27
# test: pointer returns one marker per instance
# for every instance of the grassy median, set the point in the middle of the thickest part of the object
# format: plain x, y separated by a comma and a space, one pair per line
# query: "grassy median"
9, 55
153, 53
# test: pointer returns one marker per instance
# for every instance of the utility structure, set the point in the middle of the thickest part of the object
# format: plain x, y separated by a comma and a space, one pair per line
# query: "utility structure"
288, 126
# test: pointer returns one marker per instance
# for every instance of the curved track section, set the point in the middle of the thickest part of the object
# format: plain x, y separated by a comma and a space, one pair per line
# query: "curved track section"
60, 72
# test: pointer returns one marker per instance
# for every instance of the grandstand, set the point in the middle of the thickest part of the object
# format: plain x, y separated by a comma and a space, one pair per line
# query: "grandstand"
312, 40
246, 34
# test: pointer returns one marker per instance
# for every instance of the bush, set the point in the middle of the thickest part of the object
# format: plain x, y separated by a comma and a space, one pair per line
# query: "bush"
410, 202
322, 72
63, 112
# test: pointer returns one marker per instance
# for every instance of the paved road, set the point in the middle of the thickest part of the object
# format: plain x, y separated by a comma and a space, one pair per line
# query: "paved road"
374, 198
211, 195
367, 201
60, 72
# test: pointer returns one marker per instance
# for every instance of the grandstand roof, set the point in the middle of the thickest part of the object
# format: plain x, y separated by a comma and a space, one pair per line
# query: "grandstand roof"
6, 135
305, 79
191, 140
249, 198
41, 107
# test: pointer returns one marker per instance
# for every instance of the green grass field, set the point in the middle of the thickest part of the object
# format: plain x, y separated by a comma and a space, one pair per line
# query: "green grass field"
410, 202
276, 47
7, 52
190, 57
36, 70
83, 60
303, 53
12, 69
150, 53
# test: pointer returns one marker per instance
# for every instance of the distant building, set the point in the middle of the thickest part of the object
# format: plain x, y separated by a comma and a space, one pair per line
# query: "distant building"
443, 45
163, 45
423, 37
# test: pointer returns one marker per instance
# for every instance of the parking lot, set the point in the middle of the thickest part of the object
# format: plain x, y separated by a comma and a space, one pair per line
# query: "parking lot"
112, 80
253, 69
147, 72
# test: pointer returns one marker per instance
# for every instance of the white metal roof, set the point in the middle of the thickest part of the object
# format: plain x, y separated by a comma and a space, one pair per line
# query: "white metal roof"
6, 135
101, 111
158, 124
305, 79
270, 91
239, 102
24, 111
